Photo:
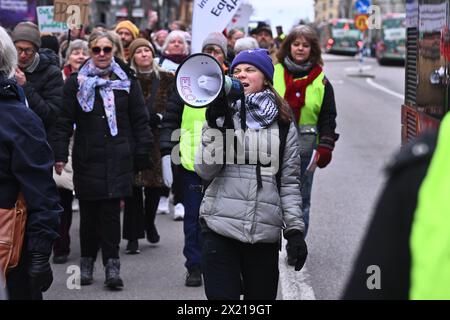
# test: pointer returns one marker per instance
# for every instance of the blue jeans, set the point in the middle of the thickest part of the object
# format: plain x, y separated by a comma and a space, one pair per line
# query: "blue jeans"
305, 188
192, 232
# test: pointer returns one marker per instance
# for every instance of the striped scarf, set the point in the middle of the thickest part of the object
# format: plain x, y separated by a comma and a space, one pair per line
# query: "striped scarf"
261, 109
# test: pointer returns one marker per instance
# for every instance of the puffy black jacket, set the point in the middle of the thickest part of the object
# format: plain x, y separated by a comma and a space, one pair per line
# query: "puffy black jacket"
171, 121
26, 162
43, 88
103, 164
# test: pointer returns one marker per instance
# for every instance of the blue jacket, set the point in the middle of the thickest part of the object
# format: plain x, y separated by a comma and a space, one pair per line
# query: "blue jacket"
26, 162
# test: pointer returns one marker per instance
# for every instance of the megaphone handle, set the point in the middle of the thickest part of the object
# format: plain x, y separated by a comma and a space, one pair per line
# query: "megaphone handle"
228, 119
243, 114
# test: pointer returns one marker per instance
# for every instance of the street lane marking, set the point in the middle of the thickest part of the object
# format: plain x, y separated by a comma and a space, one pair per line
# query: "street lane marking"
380, 87
294, 284
358, 68
336, 81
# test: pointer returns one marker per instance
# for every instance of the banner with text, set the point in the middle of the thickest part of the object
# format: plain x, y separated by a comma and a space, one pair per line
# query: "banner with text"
211, 16
46, 23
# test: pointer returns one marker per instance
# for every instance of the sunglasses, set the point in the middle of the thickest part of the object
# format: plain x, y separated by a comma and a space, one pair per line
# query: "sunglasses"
97, 50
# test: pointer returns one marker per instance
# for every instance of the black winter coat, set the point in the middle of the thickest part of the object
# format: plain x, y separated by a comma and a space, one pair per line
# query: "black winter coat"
26, 162
43, 88
171, 121
103, 164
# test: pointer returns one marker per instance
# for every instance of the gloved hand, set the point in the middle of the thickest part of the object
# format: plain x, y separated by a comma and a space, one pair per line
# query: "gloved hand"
41, 276
142, 162
216, 110
296, 249
325, 149
325, 155
166, 165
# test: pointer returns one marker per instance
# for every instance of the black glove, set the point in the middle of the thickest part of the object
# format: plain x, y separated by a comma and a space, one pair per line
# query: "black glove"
40, 273
216, 110
142, 162
296, 249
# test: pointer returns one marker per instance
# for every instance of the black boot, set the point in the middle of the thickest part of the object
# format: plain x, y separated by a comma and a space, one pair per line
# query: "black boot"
112, 274
87, 270
152, 234
194, 277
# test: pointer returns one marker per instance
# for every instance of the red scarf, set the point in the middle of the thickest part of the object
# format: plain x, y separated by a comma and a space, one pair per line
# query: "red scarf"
67, 71
295, 93
177, 58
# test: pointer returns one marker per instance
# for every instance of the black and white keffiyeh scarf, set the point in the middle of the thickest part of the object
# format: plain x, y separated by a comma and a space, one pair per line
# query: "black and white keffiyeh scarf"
261, 109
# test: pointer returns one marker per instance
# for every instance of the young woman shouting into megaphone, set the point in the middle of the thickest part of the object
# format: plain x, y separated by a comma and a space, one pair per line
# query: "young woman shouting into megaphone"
244, 209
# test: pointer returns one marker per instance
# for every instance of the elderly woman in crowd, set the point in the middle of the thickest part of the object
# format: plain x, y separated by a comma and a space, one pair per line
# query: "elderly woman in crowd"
174, 51
77, 54
104, 101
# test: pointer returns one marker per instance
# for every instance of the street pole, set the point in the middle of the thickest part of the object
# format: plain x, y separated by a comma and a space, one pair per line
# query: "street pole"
361, 52
130, 9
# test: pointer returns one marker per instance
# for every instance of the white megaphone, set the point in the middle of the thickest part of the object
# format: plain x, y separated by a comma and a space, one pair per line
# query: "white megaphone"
200, 80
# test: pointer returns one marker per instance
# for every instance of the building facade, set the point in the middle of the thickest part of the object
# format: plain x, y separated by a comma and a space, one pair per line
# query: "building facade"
329, 9
325, 10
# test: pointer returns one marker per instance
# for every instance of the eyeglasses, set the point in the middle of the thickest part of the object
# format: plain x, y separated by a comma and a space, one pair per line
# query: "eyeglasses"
27, 51
97, 50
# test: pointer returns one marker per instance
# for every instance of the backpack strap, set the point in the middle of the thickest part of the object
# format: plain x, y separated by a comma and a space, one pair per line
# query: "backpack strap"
161, 61
284, 130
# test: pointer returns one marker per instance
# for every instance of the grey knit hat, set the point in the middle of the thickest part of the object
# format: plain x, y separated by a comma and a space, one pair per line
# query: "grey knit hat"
27, 31
217, 39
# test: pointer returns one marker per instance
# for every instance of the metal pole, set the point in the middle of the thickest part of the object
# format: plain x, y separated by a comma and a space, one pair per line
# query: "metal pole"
130, 9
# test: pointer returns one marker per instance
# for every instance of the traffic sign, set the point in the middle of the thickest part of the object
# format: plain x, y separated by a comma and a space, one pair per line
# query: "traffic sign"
362, 5
362, 22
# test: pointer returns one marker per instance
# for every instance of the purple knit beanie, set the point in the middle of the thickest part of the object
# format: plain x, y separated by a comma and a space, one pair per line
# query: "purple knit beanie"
260, 58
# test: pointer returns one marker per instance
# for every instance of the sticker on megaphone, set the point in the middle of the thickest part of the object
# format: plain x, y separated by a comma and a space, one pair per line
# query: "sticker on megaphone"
200, 81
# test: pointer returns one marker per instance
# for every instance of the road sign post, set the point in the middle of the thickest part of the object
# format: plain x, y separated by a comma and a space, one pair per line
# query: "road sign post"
362, 24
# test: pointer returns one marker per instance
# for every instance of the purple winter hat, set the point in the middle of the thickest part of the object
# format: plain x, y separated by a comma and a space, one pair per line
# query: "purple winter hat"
260, 58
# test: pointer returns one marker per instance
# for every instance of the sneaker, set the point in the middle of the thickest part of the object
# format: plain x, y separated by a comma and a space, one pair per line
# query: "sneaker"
163, 206
194, 278
133, 247
178, 213
60, 259
75, 205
